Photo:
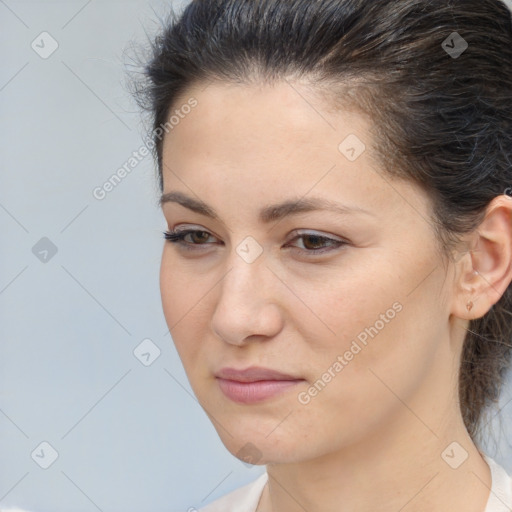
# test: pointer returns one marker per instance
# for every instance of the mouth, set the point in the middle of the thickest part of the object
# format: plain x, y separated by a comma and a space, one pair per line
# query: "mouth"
254, 384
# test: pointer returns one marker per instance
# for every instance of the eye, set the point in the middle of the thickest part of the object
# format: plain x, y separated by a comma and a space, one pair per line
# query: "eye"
312, 243
179, 238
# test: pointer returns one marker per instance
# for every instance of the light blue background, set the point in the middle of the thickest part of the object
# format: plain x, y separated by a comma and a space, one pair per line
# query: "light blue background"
129, 437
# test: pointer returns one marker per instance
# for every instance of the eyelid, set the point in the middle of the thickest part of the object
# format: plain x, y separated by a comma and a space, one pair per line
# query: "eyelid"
320, 234
296, 233
332, 244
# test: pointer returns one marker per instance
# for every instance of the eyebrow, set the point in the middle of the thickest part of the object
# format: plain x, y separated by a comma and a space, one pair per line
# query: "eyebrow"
269, 213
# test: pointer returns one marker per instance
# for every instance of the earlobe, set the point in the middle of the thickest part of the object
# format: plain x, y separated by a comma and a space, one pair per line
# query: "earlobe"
467, 300
469, 305
486, 271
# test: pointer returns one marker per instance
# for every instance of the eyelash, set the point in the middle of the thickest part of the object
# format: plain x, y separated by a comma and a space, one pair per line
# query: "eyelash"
178, 237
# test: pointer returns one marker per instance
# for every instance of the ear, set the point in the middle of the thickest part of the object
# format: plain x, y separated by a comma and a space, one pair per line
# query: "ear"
485, 272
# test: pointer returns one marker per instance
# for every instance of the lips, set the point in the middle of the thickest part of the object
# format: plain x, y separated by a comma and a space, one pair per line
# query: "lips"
254, 384
253, 374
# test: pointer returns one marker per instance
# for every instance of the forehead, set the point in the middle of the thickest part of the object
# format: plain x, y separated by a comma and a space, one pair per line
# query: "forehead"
259, 124
273, 141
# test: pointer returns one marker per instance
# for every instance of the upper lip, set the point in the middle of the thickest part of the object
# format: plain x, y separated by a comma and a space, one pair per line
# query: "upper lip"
253, 374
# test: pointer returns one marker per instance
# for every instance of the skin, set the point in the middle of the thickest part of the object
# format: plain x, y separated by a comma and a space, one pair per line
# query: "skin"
373, 437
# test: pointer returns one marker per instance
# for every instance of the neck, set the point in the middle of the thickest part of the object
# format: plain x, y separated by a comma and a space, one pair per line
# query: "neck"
401, 467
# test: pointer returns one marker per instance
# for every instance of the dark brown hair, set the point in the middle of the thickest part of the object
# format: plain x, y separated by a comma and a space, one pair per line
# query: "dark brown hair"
435, 79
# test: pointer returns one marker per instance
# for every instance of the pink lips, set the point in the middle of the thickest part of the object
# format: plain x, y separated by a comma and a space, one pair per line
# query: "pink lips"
253, 384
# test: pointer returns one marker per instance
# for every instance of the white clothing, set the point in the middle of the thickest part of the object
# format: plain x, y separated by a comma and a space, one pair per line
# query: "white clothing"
246, 498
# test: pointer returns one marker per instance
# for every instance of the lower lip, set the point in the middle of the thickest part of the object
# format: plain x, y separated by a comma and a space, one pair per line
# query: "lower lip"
252, 392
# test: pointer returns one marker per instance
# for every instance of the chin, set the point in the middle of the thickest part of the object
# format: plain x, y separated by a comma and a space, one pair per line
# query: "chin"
254, 445
256, 453
261, 433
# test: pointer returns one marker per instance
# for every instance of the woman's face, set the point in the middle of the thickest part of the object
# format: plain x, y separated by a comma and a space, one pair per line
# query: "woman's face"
351, 305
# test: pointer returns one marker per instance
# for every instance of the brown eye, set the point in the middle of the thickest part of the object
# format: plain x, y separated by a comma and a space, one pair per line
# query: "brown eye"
198, 241
313, 241
317, 244
200, 236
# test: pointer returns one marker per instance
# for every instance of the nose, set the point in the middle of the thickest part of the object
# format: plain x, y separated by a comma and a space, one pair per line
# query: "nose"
248, 305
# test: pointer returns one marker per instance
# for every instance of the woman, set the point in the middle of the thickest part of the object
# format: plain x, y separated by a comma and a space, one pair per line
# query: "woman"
335, 180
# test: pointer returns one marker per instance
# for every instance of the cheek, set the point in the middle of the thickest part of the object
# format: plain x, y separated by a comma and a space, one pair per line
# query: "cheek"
346, 304
387, 341
183, 304
376, 321
182, 287
171, 291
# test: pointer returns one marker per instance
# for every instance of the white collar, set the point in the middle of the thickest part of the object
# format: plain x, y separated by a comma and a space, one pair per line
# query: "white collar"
500, 498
